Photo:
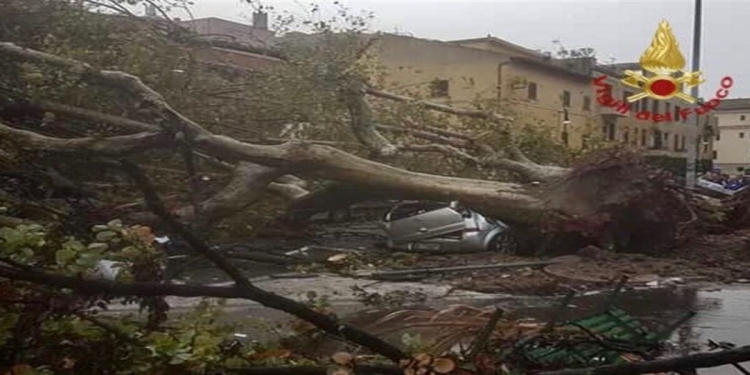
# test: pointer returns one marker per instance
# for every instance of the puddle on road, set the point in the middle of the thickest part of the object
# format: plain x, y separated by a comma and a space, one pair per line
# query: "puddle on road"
722, 314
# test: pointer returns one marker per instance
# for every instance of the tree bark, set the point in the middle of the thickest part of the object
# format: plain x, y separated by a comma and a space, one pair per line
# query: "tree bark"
248, 184
109, 146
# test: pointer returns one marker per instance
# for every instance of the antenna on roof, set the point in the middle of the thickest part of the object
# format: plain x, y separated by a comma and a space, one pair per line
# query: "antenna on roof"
150, 10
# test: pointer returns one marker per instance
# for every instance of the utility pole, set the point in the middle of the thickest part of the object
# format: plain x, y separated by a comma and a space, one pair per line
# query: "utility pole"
694, 137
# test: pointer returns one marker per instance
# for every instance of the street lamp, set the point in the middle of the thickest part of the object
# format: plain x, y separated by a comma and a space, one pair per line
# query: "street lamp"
692, 151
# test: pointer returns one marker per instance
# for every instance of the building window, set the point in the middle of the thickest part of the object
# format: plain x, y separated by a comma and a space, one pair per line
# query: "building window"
655, 106
682, 143
676, 142
643, 138
609, 131
705, 149
715, 155
718, 137
439, 88
644, 104
667, 107
742, 117
565, 137
532, 91
676, 113
742, 135
657, 139
586, 103
566, 99
626, 136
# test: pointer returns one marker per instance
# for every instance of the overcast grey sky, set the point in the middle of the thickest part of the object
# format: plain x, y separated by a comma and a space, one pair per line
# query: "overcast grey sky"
615, 29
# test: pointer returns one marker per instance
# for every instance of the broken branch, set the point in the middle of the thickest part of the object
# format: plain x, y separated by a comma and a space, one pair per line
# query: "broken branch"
108, 146
693, 361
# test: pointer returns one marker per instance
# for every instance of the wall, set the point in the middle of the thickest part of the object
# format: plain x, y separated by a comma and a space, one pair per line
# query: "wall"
412, 64
240, 59
546, 110
630, 125
497, 45
732, 150
220, 29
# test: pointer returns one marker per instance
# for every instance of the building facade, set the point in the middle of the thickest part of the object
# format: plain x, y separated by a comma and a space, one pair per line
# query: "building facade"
219, 29
555, 94
234, 45
732, 153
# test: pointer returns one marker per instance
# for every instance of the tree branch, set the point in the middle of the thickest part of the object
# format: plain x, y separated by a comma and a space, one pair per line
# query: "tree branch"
363, 124
246, 186
289, 191
319, 320
693, 361
427, 135
94, 116
438, 107
443, 149
109, 146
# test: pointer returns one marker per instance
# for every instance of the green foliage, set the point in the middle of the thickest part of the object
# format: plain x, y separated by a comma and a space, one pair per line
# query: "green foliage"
52, 329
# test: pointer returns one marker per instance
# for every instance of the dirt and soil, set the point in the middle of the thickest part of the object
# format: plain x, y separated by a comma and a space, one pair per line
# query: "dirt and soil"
714, 258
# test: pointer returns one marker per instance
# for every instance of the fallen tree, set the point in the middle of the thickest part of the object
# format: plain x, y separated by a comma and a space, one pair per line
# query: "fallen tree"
618, 190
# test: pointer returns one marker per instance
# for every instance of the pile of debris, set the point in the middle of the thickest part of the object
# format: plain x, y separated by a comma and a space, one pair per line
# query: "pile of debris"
484, 341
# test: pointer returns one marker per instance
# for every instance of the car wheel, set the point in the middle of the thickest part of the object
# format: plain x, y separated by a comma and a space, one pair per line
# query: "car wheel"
504, 243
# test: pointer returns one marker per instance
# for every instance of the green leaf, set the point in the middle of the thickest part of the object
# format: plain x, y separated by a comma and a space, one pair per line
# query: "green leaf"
27, 253
64, 256
88, 260
9, 234
99, 228
74, 245
105, 236
98, 246
115, 224
130, 252
181, 355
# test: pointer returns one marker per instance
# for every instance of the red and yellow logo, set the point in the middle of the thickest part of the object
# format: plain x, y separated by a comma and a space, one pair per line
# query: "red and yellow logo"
661, 63
662, 77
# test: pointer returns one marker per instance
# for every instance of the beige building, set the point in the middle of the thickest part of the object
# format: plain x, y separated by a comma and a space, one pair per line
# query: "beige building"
467, 73
733, 140
555, 94
218, 29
